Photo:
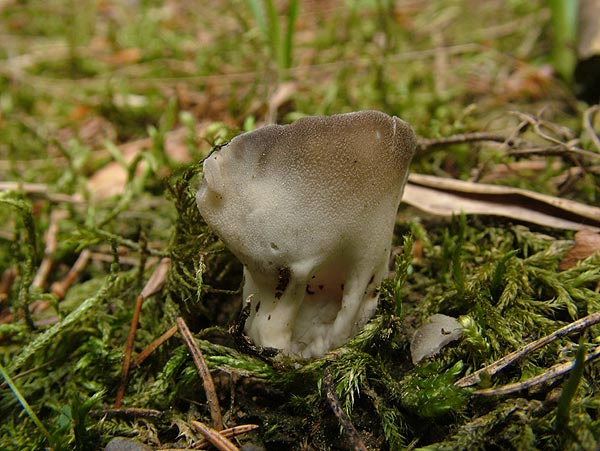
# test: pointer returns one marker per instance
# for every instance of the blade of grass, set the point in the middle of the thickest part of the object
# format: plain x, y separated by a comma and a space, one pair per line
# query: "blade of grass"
564, 29
24, 403
563, 410
288, 43
273, 32
258, 13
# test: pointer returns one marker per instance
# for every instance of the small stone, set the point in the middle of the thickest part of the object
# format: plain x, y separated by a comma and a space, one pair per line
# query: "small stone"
125, 444
433, 336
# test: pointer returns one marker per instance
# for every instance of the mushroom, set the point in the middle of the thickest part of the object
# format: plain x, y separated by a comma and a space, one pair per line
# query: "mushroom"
309, 209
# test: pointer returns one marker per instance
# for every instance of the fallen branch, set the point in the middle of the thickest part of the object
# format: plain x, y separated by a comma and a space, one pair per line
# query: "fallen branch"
354, 440
497, 366
219, 441
41, 190
129, 350
426, 144
589, 128
59, 289
154, 345
6, 282
519, 147
544, 378
550, 151
209, 386
230, 433
153, 286
51, 245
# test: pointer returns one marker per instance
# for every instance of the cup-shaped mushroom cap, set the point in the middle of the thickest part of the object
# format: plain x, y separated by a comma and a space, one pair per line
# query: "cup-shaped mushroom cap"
309, 210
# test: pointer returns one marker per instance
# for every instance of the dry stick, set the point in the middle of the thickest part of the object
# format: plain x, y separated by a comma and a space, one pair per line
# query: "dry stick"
567, 147
536, 124
349, 431
157, 280
498, 365
218, 441
6, 282
41, 190
230, 433
51, 245
153, 286
559, 149
554, 372
59, 289
128, 351
587, 124
425, 144
154, 345
209, 386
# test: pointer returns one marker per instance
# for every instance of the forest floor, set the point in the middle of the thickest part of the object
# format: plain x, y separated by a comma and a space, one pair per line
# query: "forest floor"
106, 110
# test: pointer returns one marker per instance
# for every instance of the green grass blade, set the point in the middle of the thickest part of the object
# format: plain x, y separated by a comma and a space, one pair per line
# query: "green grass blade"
258, 13
288, 43
24, 403
564, 30
273, 34
563, 410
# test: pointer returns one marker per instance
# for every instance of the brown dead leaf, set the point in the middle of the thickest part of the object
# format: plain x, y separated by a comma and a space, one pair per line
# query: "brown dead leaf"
587, 242
89, 130
111, 179
530, 82
126, 56
446, 197
281, 95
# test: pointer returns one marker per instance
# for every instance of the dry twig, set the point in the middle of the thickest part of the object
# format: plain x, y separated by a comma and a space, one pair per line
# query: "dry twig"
354, 440
556, 150
519, 147
589, 127
129, 350
209, 386
539, 127
51, 245
41, 190
230, 433
59, 289
154, 345
218, 441
498, 365
427, 144
6, 281
153, 286
544, 378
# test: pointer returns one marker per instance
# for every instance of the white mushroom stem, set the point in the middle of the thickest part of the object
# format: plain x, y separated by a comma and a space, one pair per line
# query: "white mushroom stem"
309, 209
